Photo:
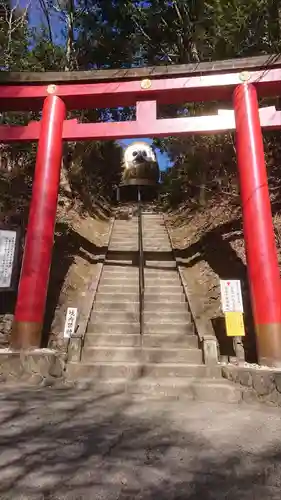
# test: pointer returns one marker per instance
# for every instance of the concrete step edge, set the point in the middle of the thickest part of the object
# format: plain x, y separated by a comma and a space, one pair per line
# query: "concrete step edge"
143, 348
139, 364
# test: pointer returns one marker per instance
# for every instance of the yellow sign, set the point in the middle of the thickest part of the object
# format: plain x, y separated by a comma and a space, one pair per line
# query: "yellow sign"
234, 324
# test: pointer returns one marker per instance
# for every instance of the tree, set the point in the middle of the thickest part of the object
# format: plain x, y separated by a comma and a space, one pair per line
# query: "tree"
13, 35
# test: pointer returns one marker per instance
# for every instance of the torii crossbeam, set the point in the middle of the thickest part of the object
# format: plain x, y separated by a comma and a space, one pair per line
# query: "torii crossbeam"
241, 80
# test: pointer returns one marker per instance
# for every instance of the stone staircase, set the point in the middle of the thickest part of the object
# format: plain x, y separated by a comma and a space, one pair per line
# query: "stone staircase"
166, 359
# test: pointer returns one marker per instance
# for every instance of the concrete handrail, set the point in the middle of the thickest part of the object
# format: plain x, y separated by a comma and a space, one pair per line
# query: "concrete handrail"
204, 328
76, 341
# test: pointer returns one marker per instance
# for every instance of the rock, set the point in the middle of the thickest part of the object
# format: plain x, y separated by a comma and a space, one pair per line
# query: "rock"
263, 382
23, 365
249, 396
245, 378
231, 373
74, 349
56, 368
34, 379
278, 381
274, 398
10, 364
37, 362
48, 382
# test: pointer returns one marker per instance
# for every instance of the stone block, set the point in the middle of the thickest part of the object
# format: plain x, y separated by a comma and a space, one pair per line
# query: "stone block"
210, 350
30, 365
263, 382
74, 349
274, 398
10, 364
245, 377
231, 373
278, 381
249, 396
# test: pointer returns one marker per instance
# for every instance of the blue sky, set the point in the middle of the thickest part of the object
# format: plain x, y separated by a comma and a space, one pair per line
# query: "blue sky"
35, 19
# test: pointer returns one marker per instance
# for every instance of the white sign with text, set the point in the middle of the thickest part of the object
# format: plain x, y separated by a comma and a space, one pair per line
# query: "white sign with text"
70, 322
231, 296
7, 253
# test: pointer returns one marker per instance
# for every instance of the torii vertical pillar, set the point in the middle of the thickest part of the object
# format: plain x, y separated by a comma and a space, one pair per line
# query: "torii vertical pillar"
33, 286
262, 262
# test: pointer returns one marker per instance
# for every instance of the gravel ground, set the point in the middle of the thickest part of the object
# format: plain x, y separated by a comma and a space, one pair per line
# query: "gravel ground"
68, 444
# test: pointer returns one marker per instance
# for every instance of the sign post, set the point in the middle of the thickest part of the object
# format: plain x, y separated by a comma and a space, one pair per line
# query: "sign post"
232, 307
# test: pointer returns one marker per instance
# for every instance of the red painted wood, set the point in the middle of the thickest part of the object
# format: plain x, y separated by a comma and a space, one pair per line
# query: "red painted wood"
263, 269
127, 93
145, 126
34, 278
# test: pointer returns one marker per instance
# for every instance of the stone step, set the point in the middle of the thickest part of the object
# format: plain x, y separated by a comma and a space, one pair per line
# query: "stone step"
161, 272
120, 276
125, 229
147, 233
124, 241
106, 316
133, 247
102, 297
123, 247
113, 339
160, 316
130, 370
124, 328
113, 260
146, 355
162, 296
149, 274
165, 307
208, 390
162, 281
127, 238
156, 248
155, 239
134, 340
157, 231
163, 287
120, 270
170, 340
161, 275
168, 328
117, 288
125, 233
112, 307
149, 227
151, 222
118, 282
161, 265
170, 286
153, 225
157, 316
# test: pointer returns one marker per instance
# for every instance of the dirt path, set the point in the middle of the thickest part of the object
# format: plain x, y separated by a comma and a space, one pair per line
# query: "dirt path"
67, 444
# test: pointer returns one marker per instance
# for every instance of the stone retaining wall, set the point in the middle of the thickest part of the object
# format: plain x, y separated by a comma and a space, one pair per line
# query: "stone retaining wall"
37, 366
258, 384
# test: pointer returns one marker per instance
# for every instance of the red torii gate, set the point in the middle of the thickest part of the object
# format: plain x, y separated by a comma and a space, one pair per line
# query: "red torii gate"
241, 80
